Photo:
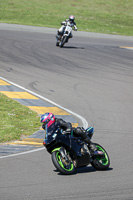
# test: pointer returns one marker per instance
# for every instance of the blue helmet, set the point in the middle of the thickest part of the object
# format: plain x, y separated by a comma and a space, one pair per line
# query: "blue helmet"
47, 118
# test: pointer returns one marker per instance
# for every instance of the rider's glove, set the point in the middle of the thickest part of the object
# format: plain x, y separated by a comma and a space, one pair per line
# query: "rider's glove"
83, 130
75, 28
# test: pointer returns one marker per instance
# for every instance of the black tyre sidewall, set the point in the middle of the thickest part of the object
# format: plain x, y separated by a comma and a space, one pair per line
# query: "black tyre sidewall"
97, 165
63, 42
58, 167
57, 44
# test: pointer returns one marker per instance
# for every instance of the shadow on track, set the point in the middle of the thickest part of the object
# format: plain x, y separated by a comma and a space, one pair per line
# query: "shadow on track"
82, 170
71, 47
88, 169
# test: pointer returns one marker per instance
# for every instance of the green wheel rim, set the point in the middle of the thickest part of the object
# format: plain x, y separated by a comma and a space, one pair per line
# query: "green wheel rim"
61, 163
103, 160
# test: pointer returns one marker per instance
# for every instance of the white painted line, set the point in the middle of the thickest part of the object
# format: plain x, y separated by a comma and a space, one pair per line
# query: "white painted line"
22, 153
85, 123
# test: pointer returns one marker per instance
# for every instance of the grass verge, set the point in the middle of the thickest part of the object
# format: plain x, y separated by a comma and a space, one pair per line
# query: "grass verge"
16, 120
103, 16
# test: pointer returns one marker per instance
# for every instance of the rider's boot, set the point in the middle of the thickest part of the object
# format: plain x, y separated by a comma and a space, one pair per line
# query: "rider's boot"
93, 149
58, 36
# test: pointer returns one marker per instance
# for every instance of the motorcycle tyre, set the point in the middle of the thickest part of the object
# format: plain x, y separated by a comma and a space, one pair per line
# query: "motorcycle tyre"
105, 161
61, 44
59, 167
57, 43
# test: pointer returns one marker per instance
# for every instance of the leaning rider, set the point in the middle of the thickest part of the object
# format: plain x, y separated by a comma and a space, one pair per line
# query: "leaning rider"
69, 22
54, 123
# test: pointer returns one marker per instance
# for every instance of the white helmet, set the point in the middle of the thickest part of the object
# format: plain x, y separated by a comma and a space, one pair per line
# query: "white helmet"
71, 18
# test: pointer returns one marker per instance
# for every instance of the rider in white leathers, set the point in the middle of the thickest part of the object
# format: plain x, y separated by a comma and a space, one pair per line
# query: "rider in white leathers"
69, 22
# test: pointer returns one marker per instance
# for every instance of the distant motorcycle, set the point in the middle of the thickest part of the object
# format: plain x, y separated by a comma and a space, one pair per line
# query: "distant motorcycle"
69, 152
62, 39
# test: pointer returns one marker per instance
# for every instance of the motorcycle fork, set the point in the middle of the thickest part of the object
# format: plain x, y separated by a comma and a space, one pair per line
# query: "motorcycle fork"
64, 154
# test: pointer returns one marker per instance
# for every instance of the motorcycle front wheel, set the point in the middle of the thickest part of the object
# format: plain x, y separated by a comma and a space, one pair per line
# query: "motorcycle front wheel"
63, 166
101, 162
57, 43
61, 44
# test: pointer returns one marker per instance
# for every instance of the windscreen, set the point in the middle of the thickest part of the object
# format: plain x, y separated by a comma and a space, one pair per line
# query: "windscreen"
51, 129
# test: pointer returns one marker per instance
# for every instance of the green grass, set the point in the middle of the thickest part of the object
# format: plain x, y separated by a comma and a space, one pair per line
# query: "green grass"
103, 16
16, 120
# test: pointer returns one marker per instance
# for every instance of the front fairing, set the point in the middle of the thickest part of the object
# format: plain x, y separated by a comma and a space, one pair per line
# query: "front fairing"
70, 143
50, 133
71, 24
68, 30
56, 139
73, 146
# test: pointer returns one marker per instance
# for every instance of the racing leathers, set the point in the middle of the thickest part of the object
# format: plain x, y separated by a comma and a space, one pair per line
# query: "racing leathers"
64, 24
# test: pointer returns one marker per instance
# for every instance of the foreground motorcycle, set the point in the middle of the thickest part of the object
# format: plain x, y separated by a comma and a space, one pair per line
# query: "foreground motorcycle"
62, 39
69, 152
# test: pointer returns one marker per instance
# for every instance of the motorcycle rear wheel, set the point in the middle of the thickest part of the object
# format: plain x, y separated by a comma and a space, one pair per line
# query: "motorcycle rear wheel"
61, 165
101, 162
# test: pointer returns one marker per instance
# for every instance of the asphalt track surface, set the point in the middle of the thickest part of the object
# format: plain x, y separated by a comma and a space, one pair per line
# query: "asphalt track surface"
91, 76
